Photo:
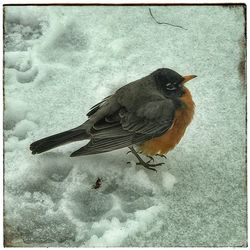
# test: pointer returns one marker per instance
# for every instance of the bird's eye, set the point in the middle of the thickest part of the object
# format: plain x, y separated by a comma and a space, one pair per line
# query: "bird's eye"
170, 86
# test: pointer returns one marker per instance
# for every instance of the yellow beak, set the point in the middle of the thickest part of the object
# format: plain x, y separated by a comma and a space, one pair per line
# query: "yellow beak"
187, 78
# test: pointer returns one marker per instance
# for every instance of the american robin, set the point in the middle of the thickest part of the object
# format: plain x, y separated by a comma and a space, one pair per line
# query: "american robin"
151, 113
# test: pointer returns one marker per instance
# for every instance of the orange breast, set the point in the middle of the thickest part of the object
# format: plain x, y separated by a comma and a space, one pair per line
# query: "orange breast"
183, 116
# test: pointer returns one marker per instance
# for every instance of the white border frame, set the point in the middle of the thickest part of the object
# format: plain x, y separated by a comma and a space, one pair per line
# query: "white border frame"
27, 2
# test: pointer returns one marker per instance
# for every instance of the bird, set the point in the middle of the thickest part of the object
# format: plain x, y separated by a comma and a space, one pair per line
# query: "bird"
149, 116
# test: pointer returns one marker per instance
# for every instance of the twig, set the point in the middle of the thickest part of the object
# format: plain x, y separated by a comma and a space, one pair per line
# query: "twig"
178, 26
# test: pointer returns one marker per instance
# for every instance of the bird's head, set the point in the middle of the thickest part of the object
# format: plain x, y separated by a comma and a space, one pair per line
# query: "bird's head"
170, 83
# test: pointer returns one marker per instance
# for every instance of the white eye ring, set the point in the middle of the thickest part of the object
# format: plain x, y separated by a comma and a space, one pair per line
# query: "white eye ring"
170, 86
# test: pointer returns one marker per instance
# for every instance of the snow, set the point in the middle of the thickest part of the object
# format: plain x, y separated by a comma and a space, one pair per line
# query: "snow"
22, 127
59, 62
15, 111
168, 180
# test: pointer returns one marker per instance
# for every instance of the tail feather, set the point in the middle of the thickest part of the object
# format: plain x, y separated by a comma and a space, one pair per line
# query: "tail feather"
56, 140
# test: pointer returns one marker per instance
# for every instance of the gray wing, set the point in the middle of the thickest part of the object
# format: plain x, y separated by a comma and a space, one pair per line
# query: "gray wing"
124, 128
97, 106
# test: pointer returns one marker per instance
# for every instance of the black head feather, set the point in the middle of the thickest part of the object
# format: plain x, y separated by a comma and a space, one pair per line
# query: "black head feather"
168, 81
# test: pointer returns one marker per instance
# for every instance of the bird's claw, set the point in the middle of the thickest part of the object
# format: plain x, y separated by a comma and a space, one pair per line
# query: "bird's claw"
146, 165
149, 166
162, 156
129, 152
142, 162
151, 158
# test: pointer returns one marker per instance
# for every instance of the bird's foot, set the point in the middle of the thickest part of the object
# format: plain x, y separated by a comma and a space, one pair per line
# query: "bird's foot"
142, 162
162, 156
148, 165
151, 158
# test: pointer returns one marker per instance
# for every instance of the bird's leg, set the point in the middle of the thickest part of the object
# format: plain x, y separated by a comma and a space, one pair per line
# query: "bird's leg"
142, 162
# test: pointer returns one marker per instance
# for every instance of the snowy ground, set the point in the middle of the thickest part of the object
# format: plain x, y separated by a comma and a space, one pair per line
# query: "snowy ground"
60, 61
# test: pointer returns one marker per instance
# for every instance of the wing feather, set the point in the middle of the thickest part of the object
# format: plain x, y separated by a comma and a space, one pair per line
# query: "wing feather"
125, 128
97, 106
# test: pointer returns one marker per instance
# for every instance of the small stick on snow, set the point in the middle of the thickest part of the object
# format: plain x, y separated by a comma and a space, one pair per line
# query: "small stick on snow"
177, 26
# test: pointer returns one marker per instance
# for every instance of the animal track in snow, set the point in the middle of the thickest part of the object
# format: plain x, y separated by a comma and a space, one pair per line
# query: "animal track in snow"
25, 70
27, 76
18, 35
